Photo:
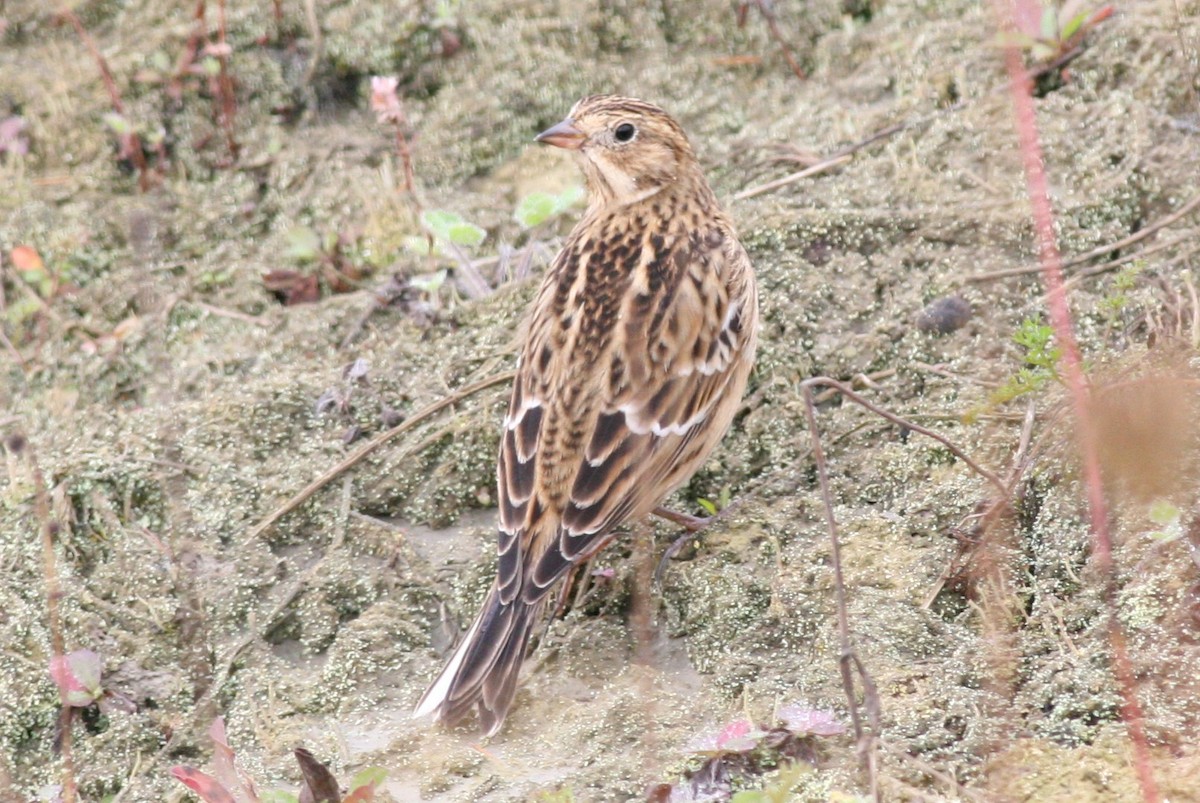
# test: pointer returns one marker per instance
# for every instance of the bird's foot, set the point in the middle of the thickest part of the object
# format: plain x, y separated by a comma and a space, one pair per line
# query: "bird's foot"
694, 525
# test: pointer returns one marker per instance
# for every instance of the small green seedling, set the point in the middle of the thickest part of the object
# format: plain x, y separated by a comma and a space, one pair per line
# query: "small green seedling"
1167, 516
1051, 35
1040, 366
538, 207
446, 229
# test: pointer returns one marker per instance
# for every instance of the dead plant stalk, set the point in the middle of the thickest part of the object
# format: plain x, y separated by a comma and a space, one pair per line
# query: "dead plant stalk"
49, 529
848, 661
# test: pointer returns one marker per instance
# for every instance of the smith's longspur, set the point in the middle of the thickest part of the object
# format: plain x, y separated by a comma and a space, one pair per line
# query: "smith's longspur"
638, 348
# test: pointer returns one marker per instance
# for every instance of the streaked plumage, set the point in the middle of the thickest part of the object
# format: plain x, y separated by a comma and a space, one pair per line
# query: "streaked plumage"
639, 345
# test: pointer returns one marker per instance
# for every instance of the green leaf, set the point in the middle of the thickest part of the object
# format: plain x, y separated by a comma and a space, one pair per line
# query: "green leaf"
535, 208
368, 776
277, 796
708, 505
1163, 512
1073, 25
439, 220
466, 234
304, 244
117, 124
450, 227
1017, 39
430, 282
417, 244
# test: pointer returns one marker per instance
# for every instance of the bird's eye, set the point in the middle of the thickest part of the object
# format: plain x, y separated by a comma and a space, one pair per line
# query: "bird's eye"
624, 132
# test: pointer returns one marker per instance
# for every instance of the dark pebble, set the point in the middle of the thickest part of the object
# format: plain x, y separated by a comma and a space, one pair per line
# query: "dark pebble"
944, 315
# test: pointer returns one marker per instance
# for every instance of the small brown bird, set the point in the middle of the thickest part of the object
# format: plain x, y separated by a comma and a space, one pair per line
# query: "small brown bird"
638, 349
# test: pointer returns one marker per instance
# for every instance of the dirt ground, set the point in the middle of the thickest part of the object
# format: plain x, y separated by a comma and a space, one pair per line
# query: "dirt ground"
172, 402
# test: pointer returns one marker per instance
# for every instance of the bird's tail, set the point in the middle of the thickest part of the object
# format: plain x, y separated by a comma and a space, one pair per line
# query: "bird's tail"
484, 668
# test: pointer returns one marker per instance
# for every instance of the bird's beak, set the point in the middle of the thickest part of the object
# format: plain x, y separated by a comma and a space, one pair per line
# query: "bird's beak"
563, 135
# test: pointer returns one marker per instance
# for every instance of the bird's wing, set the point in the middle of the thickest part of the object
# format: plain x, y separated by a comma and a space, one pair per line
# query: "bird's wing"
669, 382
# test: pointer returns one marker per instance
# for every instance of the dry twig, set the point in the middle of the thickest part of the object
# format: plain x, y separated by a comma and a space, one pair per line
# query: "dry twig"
846, 391
370, 446
226, 99
49, 529
792, 178
1099, 251
849, 662
767, 9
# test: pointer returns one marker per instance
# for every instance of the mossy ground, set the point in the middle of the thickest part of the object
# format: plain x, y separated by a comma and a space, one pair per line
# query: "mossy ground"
164, 441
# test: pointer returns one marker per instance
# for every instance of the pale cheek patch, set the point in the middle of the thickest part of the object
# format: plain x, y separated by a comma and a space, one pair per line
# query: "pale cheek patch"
624, 187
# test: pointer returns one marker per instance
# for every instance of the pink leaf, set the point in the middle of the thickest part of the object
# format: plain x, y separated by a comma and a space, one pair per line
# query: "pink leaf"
736, 737
800, 719
208, 787
384, 101
241, 788
77, 676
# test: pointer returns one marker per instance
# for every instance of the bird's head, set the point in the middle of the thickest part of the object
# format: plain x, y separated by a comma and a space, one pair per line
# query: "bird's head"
629, 149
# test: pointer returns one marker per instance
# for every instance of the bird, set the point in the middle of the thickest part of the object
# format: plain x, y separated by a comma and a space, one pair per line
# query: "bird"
637, 350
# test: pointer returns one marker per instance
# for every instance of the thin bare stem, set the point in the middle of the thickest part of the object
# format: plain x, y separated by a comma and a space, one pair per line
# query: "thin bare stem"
1077, 385
318, 40
12, 350
131, 143
835, 159
792, 178
187, 56
1098, 251
766, 8
907, 423
49, 529
848, 661
226, 99
370, 446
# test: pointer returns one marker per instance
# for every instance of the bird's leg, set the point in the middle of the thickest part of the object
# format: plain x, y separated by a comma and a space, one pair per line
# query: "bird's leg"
560, 604
693, 525
564, 590
582, 591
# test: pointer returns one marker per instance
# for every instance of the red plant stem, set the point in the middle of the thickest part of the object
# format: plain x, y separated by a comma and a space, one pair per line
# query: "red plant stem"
773, 26
188, 55
402, 147
105, 73
1076, 381
132, 142
228, 101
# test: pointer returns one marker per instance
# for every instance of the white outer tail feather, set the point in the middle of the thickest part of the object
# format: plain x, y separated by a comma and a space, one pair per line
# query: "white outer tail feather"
431, 702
